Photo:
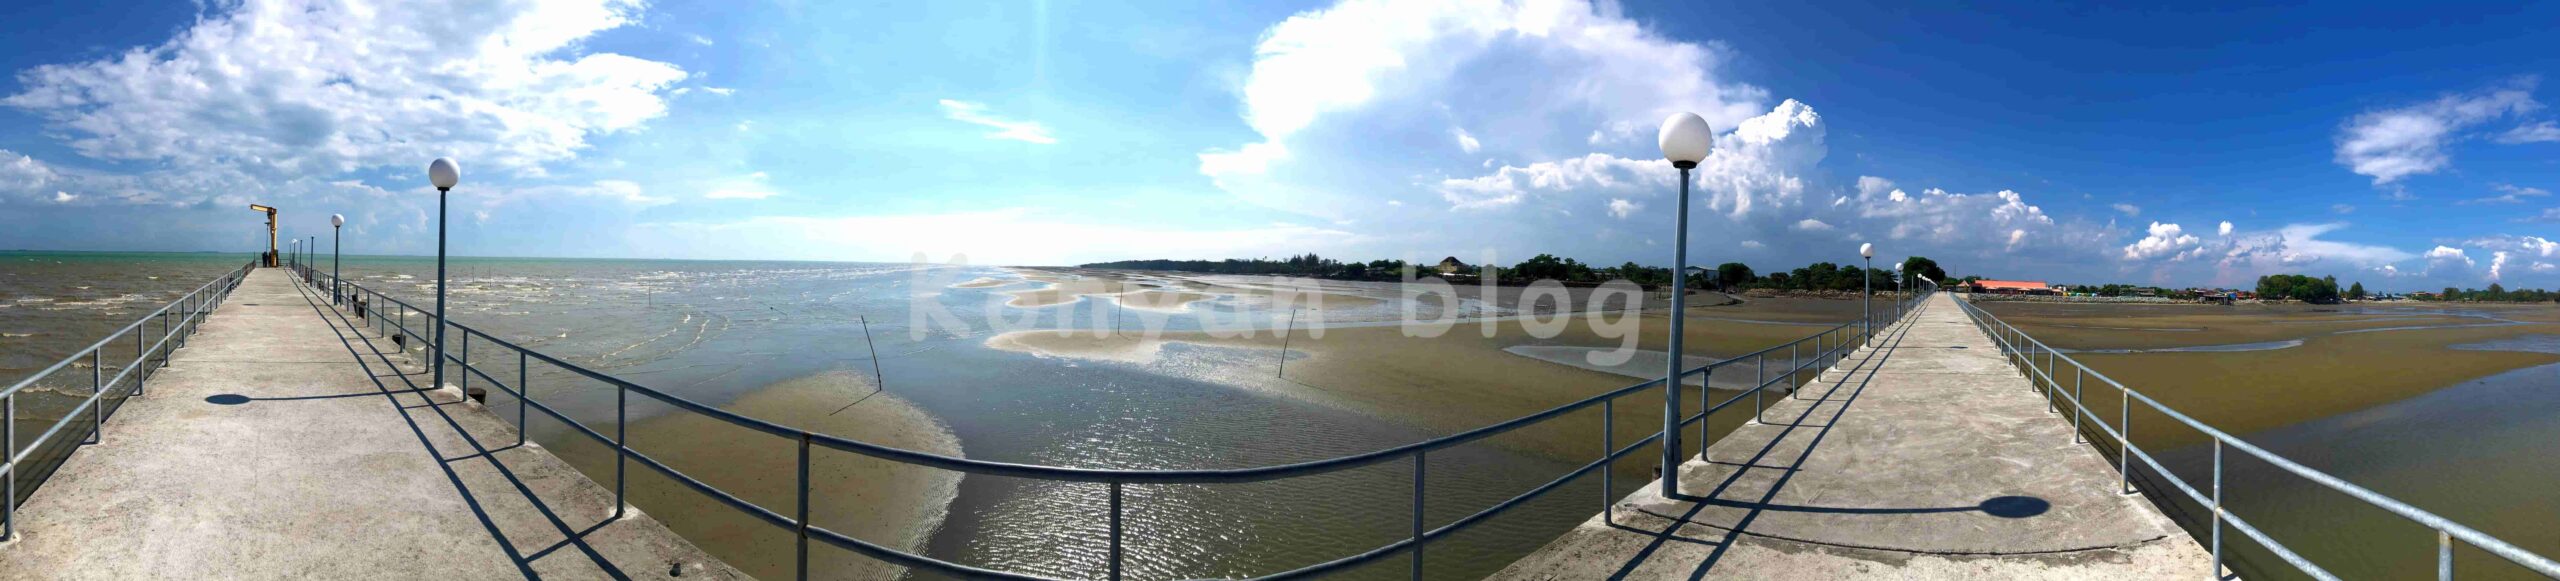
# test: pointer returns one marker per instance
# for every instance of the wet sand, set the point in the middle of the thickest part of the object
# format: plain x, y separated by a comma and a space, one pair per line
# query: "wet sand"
1457, 381
875, 500
2347, 360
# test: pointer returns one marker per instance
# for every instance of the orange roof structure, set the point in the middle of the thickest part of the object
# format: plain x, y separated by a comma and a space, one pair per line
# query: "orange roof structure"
2011, 285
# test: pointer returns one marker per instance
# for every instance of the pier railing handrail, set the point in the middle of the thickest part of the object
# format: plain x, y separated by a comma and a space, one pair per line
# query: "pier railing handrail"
1831, 344
178, 319
2023, 349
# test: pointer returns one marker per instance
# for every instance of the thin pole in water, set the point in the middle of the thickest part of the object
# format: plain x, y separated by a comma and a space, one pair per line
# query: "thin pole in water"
876, 377
1284, 343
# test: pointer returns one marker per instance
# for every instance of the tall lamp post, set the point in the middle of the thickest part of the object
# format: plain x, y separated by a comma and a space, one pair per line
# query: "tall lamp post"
1897, 291
1686, 140
337, 289
443, 174
1867, 280
293, 262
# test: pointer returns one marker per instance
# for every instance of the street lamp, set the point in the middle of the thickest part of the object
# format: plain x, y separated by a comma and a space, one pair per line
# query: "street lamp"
1686, 140
1897, 291
1866, 279
294, 247
443, 174
337, 289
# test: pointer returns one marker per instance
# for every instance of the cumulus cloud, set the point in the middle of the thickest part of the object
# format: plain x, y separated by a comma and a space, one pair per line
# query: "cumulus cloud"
1620, 208
2225, 230
974, 113
2447, 260
1327, 82
2165, 240
1512, 185
1812, 225
2497, 263
2391, 144
1466, 142
1872, 185
294, 87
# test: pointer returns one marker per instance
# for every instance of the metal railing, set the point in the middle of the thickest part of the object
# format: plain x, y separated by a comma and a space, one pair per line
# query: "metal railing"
390, 315
178, 320
2025, 352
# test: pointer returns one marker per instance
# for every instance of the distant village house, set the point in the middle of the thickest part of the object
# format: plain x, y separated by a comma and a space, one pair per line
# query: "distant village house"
2012, 287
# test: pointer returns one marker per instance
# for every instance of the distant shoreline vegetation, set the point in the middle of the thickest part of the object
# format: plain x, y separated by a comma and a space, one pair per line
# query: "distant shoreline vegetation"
1730, 276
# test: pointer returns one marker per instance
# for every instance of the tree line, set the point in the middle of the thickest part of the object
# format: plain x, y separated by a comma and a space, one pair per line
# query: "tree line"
1727, 276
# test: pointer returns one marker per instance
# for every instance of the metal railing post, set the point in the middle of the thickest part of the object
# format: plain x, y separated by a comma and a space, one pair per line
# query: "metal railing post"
804, 506
465, 388
1608, 445
524, 397
2217, 508
9, 506
621, 444
2124, 441
1115, 531
1795, 371
98, 407
1706, 400
2444, 556
1418, 463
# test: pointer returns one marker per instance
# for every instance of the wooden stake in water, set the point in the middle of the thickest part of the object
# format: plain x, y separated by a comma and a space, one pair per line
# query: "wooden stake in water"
1284, 342
875, 353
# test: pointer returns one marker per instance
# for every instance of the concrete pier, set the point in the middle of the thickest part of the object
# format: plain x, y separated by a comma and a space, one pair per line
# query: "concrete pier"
1925, 456
285, 441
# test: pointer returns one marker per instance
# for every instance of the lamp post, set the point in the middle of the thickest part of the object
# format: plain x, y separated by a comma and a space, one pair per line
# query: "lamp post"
1685, 139
1867, 280
337, 289
293, 262
1897, 291
443, 174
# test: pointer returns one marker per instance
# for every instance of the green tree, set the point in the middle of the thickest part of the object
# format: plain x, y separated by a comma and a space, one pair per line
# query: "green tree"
1922, 265
2356, 291
1733, 274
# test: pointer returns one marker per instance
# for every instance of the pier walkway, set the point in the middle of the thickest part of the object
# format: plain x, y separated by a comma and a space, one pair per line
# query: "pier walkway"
286, 442
1925, 456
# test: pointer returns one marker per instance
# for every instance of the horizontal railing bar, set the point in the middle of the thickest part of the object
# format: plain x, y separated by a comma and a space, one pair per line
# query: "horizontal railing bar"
111, 337
2484, 541
1096, 475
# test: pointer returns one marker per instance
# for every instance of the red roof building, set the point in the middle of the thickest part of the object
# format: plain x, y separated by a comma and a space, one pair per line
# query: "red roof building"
2012, 287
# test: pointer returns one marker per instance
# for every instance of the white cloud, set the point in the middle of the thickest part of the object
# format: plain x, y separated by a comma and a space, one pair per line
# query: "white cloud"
2225, 230
1012, 236
1871, 185
2342, 208
1470, 145
706, 41
2447, 260
2165, 240
976, 114
1751, 244
1620, 208
1808, 225
1512, 185
2510, 194
296, 88
2387, 271
60, 197
2129, 210
2536, 133
721, 91
1324, 83
2497, 263
2391, 144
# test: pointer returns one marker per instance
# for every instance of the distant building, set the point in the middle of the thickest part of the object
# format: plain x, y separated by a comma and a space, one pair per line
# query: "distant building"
1450, 265
2012, 287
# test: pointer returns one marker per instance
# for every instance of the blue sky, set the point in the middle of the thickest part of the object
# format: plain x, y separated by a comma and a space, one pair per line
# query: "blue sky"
2405, 146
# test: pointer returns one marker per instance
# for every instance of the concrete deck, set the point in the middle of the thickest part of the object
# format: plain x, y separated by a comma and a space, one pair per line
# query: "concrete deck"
1925, 457
280, 443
